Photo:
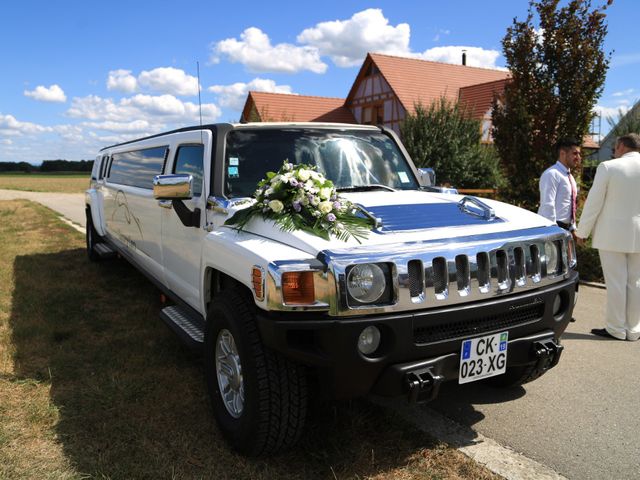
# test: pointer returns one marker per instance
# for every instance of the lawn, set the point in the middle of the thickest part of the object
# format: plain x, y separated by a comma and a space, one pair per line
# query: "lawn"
93, 385
45, 182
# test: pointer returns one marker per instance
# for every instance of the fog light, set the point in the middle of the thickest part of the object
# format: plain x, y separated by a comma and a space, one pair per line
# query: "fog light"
369, 340
557, 304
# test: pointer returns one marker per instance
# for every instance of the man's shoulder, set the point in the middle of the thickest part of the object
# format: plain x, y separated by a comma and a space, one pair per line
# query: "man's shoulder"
551, 171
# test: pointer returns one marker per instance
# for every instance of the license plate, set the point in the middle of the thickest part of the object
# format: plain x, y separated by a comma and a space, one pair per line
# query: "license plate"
483, 357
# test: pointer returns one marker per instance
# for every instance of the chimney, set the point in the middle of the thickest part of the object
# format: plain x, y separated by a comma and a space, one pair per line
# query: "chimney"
464, 57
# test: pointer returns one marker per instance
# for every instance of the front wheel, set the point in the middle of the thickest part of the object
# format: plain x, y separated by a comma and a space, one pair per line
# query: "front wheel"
259, 397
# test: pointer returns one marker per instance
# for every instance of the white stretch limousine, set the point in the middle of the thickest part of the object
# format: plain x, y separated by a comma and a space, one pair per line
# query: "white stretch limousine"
290, 250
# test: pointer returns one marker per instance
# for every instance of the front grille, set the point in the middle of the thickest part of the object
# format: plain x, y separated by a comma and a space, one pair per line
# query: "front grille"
477, 326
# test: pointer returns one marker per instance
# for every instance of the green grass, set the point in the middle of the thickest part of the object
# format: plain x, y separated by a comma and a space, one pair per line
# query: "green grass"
93, 385
59, 182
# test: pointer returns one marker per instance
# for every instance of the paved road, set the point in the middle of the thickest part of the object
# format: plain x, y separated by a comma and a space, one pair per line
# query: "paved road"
582, 419
69, 205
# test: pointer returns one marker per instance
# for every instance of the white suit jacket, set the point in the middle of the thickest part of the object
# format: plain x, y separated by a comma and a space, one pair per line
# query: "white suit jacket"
612, 210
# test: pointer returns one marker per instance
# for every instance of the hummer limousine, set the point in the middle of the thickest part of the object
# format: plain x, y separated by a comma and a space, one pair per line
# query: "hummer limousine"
297, 251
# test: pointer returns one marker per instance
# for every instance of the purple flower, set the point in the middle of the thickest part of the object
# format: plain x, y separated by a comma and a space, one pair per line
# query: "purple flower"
331, 217
296, 206
337, 205
293, 182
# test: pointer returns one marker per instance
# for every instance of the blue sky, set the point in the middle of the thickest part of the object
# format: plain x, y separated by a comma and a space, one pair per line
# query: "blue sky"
78, 76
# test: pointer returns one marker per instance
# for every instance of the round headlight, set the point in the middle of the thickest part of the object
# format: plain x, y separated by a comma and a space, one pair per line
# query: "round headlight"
369, 340
366, 282
551, 252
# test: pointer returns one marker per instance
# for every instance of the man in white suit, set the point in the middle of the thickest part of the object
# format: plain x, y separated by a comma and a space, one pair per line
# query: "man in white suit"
612, 214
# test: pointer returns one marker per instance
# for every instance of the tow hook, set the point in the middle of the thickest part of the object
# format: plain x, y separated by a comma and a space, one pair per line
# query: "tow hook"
423, 385
548, 354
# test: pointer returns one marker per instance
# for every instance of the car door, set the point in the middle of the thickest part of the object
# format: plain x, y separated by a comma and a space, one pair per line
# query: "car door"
181, 245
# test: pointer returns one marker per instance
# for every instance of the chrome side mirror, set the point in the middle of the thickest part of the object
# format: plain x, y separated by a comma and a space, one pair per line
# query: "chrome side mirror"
427, 177
173, 187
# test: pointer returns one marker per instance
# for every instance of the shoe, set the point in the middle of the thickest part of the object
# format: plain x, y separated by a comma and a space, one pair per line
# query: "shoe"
602, 332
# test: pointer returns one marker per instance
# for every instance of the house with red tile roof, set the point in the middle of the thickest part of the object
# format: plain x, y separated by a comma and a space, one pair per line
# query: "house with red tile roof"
385, 90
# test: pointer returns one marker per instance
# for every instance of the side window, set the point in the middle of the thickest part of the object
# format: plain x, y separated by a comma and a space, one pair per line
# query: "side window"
136, 168
103, 167
189, 161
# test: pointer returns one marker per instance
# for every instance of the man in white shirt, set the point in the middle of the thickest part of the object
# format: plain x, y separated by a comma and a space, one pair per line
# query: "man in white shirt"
558, 188
612, 214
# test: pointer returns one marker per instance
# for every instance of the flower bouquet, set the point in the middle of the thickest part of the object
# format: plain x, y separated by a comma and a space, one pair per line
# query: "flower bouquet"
297, 197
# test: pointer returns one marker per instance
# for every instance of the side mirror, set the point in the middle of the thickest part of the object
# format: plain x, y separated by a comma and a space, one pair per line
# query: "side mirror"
173, 187
427, 177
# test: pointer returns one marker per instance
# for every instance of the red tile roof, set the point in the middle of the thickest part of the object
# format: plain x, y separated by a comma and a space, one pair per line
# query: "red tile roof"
421, 81
278, 107
479, 98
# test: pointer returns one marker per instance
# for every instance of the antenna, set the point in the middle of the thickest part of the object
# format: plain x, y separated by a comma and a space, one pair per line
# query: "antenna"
199, 100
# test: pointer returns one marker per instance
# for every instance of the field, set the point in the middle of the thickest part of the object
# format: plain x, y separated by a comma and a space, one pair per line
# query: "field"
93, 385
45, 182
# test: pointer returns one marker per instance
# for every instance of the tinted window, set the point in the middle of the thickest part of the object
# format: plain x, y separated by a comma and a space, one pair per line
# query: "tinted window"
348, 158
189, 161
137, 168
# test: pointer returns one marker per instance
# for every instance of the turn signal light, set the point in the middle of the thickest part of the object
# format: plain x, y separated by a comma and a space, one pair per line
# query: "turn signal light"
257, 282
297, 288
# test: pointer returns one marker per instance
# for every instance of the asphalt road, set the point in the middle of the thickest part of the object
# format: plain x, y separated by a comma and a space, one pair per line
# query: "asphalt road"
69, 205
582, 418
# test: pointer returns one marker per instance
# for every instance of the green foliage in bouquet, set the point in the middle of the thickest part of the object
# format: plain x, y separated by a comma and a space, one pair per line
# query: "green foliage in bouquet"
299, 198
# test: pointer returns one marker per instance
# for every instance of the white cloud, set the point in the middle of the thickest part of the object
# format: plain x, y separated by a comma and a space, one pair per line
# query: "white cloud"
122, 80
254, 50
47, 94
169, 80
6, 141
476, 56
138, 126
610, 112
348, 41
441, 32
156, 110
233, 96
10, 126
623, 93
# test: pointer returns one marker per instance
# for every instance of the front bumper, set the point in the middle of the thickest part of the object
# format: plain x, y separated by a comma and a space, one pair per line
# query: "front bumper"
415, 341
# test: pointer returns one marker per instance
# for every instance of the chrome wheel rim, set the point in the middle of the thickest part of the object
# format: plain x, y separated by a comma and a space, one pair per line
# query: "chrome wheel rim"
229, 372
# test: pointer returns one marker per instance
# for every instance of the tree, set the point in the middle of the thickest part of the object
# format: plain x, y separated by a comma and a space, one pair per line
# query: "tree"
443, 136
557, 75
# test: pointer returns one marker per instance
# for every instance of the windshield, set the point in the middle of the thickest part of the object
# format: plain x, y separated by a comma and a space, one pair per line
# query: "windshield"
349, 158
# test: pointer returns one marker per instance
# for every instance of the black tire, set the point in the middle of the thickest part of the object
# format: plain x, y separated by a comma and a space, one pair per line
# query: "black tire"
274, 403
515, 376
92, 238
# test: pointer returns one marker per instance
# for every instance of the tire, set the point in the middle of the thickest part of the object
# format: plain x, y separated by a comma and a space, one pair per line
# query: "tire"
515, 376
92, 238
259, 397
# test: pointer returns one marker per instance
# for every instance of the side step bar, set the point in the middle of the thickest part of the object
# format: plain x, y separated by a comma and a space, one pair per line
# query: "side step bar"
188, 327
104, 250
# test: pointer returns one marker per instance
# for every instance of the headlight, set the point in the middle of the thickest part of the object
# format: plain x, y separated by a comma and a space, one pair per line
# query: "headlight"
366, 283
553, 259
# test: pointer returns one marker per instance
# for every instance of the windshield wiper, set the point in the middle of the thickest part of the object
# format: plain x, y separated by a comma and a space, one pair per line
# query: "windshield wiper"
365, 188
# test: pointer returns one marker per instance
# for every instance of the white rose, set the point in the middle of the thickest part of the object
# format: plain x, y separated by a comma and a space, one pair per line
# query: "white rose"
325, 207
269, 192
276, 206
325, 193
315, 201
304, 174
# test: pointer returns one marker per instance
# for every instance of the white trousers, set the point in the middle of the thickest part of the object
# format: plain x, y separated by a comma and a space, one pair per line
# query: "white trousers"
622, 276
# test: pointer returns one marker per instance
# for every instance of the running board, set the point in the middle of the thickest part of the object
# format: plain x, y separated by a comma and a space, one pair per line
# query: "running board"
104, 250
189, 328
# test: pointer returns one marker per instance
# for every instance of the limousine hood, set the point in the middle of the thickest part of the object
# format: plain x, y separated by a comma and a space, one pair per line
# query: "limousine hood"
410, 217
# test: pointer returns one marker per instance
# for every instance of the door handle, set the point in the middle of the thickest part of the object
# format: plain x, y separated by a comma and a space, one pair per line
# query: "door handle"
166, 204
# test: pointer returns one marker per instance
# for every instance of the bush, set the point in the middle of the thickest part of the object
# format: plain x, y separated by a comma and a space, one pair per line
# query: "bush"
444, 137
